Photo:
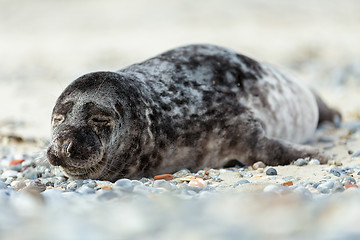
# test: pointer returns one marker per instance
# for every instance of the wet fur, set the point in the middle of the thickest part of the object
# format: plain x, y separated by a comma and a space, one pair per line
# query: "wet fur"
192, 107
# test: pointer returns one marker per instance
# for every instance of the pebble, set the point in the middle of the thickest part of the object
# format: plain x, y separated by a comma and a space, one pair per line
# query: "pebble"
328, 147
300, 162
325, 140
351, 186
9, 174
30, 173
107, 195
338, 187
124, 185
84, 189
356, 154
273, 188
335, 162
246, 174
258, 165
72, 186
271, 171
198, 182
17, 185
35, 186
166, 177
182, 173
323, 188
91, 184
348, 180
338, 172
240, 182
3, 185
163, 184
314, 162
289, 183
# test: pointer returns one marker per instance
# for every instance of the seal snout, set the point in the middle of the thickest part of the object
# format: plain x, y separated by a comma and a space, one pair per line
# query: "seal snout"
75, 147
60, 150
65, 149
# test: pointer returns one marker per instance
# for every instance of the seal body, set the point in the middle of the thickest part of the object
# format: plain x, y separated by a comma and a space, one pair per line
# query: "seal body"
191, 107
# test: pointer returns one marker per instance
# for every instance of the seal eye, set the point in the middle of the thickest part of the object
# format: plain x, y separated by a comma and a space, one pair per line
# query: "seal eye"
100, 120
57, 119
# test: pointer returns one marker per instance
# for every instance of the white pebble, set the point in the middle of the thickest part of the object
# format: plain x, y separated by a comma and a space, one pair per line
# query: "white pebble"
314, 162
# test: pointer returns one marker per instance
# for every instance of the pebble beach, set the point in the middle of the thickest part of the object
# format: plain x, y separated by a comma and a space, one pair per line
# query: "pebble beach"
45, 50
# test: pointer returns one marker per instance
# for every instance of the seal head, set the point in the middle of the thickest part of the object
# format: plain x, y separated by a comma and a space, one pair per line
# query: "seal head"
83, 129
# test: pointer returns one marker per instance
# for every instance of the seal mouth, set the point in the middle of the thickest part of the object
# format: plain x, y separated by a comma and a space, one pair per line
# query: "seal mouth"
92, 172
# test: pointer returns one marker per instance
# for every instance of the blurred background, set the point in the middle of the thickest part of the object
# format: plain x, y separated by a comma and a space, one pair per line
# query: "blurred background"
47, 44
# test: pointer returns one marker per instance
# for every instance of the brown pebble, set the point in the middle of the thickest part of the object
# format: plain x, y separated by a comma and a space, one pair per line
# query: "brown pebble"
16, 162
289, 183
351, 186
166, 177
258, 165
106, 187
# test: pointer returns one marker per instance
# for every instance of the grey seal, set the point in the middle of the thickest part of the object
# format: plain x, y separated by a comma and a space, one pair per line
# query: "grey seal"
192, 107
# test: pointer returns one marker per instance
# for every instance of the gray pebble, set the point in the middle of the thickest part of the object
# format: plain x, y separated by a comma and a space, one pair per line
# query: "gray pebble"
163, 184
348, 180
91, 184
84, 189
3, 185
47, 173
35, 186
28, 163
182, 173
30, 173
136, 182
59, 181
192, 188
271, 171
353, 126
16, 167
328, 147
107, 195
300, 162
246, 174
337, 187
241, 182
216, 178
356, 154
323, 188
338, 172
288, 178
124, 185
9, 180
72, 186
141, 189
325, 139
303, 191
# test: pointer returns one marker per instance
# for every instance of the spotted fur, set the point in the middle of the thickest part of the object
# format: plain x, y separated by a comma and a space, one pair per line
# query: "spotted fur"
191, 107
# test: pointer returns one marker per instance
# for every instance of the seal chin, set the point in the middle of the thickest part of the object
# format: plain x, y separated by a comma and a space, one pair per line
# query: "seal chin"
89, 172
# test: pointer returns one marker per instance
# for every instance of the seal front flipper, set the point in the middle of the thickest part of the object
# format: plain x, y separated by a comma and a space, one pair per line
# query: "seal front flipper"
275, 152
